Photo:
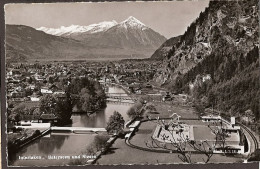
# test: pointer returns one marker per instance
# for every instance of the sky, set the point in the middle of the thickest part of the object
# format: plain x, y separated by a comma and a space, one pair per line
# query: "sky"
167, 18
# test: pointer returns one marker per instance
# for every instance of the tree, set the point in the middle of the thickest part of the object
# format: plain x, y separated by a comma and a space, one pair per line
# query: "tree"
100, 142
211, 98
85, 100
64, 108
116, 123
91, 94
91, 150
17, 112
255, 156
48, 104
136, 110
28, 92
221, 135
60, 106
199, 107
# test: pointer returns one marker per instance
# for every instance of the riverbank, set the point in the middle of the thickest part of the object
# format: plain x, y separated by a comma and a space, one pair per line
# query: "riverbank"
19, 143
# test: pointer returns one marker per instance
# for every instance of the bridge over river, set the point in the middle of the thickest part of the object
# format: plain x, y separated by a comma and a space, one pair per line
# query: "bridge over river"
78, 129
123, 97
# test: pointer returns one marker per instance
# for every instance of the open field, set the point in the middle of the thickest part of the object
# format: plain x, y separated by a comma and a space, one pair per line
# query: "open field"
166, 109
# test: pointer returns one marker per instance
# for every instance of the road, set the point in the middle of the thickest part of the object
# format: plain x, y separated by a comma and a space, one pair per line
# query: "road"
253, 143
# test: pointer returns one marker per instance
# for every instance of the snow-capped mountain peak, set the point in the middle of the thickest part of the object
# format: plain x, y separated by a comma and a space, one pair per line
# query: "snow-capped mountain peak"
66, 31
102, 26
63, 30
132, 22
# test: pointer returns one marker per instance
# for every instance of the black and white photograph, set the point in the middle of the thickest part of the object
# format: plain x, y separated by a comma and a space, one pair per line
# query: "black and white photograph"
124, 83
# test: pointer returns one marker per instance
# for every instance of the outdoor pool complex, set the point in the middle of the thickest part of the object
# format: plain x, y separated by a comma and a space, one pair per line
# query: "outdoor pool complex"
196, 132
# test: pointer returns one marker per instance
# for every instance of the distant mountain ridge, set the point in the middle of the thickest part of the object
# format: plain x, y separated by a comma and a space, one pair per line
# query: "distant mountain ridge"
130, 33
128, 39
93, 28
25, 43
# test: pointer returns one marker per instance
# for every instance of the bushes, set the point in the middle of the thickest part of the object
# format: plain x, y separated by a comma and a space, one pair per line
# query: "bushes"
255, 156
99, 144
150, 107
36, 133
200, 108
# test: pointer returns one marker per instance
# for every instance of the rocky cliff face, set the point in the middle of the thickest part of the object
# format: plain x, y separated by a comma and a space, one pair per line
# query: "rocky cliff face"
223, 28
217, 58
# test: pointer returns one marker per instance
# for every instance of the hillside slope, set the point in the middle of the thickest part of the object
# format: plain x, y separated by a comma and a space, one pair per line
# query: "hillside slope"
165, 48
25, 43
217, 58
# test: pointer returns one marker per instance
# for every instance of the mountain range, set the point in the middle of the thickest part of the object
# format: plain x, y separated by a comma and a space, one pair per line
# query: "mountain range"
77, 29
127, 39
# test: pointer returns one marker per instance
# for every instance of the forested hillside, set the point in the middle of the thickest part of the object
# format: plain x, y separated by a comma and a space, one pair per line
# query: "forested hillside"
216, 60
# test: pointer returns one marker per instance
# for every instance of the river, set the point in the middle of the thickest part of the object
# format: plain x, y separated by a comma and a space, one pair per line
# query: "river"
69, 144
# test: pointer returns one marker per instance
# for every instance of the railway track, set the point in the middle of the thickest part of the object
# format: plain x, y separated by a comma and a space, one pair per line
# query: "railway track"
251, 135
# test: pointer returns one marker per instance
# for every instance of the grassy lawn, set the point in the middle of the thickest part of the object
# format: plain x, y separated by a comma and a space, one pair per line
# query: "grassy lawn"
123, 154
166, 109
143, 134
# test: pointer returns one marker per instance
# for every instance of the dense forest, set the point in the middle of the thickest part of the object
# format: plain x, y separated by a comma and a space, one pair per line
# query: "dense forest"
235, 89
